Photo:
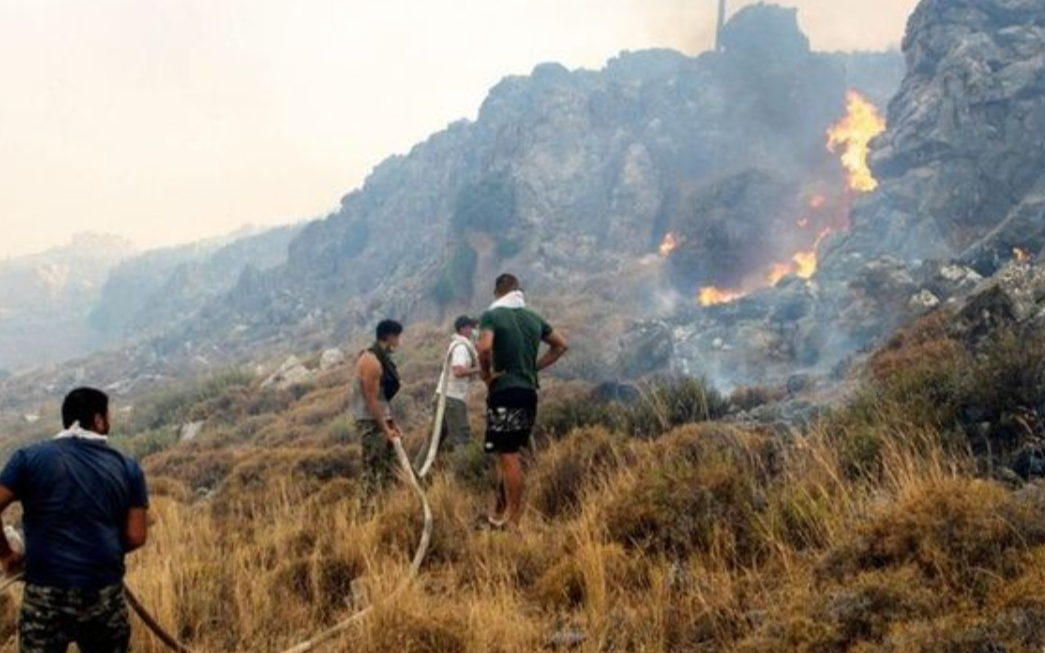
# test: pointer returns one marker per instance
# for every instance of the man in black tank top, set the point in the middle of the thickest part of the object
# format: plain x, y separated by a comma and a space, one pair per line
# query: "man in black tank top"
377, 383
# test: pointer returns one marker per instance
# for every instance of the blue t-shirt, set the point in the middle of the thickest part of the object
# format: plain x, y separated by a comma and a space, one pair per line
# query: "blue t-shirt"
76, 495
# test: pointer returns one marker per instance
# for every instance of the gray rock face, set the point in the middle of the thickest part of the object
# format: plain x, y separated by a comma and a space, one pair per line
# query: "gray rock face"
155, 292
1015, 296
565, 176
961, 194
960, 166
570, 179
332, 358
190, 431
291, 373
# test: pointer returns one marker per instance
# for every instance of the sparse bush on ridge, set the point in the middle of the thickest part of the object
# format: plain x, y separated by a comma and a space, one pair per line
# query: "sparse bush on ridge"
176, 406
661, 404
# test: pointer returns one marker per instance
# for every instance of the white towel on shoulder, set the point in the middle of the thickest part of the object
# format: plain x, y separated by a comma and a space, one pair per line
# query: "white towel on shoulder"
78, 433
514, 299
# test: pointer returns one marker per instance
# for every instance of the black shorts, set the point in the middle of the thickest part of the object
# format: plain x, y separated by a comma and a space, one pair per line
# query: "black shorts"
510, 416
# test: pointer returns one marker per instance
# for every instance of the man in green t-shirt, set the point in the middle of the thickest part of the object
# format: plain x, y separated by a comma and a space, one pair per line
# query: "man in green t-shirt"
510, 357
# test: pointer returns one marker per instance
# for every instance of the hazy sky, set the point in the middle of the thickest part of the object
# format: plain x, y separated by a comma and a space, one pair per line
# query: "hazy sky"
170, 120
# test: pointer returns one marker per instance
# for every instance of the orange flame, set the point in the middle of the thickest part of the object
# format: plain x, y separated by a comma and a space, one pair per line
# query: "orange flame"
853, 134
711, 296
668, 245
805, 264
778, 272
1020, 255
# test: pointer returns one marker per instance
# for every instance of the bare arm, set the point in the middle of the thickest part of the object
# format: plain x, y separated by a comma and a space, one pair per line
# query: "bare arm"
463, 367
136, 532
369, 371
9, 558
557, 348
485, 348
462, 372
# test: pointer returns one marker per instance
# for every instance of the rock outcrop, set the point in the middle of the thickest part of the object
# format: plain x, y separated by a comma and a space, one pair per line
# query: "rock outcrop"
960, 165
567, 177
960, 194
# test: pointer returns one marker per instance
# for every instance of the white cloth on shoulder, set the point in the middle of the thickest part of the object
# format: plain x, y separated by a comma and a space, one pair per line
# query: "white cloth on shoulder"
76, 432
462, 353
514, 299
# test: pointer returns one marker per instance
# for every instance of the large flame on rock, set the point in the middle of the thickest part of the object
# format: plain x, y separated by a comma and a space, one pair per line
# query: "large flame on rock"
853, 136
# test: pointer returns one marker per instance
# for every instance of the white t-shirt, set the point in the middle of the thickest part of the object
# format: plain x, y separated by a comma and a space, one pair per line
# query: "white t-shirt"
460, 356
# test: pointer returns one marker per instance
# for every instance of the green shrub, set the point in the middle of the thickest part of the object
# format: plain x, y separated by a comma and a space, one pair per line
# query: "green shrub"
663, 404
147, 443
673, 401
455, 282
488, 206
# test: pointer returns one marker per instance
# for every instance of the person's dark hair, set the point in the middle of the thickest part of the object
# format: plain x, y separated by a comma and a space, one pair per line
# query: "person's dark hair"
463, 322
388, 328
82, 405
505, 284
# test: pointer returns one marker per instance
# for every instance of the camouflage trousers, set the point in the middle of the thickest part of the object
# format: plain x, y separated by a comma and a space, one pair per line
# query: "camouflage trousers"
52, 619
379, 457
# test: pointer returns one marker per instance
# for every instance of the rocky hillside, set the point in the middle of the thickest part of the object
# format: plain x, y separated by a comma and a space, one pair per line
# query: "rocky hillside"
573, 179
581, 181
960, 169
159, 290
959, 195
99, 293
45, 300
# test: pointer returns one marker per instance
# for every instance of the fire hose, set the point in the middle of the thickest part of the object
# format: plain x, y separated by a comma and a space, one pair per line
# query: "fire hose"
440, 413
413, 480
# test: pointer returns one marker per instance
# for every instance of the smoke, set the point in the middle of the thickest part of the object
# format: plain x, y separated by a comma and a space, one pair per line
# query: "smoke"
832, 25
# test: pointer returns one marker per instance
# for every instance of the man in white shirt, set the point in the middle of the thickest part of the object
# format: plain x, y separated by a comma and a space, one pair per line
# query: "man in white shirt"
462, 362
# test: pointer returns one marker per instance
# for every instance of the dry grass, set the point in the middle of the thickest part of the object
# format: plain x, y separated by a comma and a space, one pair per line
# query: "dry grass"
869, 532
709, 539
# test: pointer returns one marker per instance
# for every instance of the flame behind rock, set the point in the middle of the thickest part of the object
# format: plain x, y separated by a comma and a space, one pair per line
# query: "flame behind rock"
852, 135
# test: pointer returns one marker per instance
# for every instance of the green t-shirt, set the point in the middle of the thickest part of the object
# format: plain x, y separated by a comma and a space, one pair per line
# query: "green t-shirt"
517, 337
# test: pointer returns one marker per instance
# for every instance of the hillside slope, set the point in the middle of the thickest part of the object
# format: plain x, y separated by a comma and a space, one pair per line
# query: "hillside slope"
45, 300
572, 179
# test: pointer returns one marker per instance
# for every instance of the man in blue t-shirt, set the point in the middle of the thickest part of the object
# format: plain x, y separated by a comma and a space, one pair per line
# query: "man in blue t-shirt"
85, 506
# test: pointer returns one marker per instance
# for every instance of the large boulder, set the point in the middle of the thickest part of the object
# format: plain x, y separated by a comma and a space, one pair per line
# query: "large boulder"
291, 373
961, 161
